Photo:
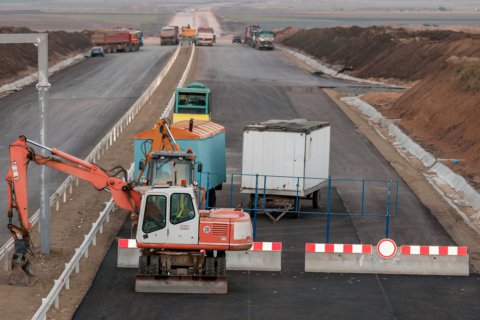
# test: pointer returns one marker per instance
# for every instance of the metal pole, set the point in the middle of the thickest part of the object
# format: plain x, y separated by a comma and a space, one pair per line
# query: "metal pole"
387, 218
255, 209
329, 202
41, 41
42, 87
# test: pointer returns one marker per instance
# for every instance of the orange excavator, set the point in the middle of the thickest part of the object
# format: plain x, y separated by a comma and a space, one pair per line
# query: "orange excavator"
182, 247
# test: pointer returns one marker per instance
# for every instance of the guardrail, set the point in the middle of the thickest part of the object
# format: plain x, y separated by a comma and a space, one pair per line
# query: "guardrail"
74, 264
64, 279
97, 152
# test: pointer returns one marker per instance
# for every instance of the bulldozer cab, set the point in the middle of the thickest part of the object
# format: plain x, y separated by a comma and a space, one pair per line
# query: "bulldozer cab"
168, 215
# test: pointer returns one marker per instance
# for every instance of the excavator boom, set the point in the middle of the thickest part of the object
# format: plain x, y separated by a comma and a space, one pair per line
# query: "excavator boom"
20, 155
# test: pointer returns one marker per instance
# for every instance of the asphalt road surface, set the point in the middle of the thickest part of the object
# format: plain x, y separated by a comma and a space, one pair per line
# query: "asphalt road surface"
85, 101
249, 86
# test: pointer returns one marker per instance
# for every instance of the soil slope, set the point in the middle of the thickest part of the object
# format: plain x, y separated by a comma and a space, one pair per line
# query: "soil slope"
20, 59
441, 110
383, 52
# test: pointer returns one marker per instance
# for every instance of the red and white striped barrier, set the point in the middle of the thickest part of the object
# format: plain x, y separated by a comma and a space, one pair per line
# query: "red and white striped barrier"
127, 253
434, 250
384, 258
262, 256
338, 248
266, 246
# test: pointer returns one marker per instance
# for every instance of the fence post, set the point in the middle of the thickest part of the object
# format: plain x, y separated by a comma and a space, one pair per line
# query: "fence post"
363, 196
296, 197
387, 218
231, 190
264, 196
396, 197
329, 203
207, 195
200, 191
255, 209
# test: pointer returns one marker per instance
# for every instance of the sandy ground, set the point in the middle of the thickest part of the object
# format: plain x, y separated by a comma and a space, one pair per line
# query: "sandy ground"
76, 217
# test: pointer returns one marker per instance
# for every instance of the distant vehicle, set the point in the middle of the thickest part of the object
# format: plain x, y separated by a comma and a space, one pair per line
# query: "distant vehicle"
169, 35
97, 51
118, 39
237, 39
205, 36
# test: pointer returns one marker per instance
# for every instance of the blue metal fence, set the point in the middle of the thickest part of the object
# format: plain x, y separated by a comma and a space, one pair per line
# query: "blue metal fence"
367, 197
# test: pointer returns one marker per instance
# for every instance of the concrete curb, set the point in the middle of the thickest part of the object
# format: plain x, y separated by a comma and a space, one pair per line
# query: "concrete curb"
263, 256
409, 260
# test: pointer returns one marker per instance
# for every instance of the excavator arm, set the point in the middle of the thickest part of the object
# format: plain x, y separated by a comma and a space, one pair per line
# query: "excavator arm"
21, 153
161, 139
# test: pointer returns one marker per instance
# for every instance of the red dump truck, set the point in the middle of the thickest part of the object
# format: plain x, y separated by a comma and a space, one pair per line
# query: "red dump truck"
169, 35
117, 40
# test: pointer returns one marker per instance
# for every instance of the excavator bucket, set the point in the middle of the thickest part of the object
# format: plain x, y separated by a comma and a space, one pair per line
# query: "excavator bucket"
23, 272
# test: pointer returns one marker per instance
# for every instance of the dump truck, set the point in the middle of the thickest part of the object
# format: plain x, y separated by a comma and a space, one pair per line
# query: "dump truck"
117, 40
294, 155
169, 36
182, 152
192, 102
264, 39
205, 36
188, 34
182, 247
250, 33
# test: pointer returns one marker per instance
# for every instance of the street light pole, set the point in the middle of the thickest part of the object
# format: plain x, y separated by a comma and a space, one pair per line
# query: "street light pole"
42, 86
41, 41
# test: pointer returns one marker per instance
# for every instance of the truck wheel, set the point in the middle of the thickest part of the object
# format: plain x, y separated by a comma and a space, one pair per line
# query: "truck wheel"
154, 264
143, 264
209, 266
316, 199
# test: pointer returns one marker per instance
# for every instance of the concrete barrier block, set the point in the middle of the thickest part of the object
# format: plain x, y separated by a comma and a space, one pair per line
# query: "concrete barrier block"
263, 256
410, 260
128, 253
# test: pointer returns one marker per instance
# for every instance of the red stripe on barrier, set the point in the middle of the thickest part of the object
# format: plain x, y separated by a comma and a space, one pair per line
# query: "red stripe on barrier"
424, 250
405, 249
329, 248
347, 248
366, 248
310, 247
443, 251
123, 243
276, 246
257, 246
462, 251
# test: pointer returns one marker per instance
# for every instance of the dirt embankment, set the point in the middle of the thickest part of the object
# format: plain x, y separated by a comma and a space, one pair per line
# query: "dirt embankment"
441, 110
383, 52
21, 59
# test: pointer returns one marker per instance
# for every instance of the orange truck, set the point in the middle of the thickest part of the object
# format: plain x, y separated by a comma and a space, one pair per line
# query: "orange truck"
188, 34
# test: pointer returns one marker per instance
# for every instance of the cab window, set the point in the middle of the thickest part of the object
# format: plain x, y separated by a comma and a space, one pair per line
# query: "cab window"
181, 208
155, 213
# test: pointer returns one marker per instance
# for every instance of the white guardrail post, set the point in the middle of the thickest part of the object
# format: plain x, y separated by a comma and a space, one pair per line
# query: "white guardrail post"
95, 154
74, 264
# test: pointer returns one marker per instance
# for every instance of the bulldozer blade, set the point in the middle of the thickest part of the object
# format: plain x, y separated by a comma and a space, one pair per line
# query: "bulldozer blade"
22, 275
180, 284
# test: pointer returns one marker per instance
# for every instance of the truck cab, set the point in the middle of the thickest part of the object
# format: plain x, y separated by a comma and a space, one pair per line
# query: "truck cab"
192, 102
170, 215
